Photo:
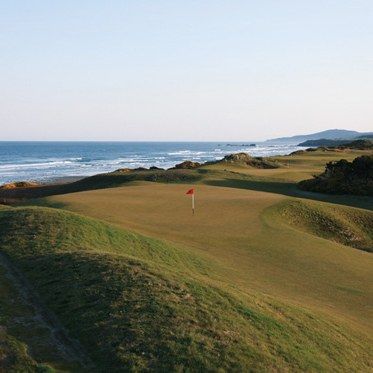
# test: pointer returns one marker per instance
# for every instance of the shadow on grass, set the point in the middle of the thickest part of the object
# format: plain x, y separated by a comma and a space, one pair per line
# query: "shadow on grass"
41, 202
291, 190
101, 181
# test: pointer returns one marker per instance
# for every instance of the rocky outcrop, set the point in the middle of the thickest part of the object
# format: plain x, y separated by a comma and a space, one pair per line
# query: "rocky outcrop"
154, 168
237, 157
122, 170
19, 184
248, 160
187, 165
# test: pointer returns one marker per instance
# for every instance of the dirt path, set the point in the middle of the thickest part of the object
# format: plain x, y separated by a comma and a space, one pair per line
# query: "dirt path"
68, 350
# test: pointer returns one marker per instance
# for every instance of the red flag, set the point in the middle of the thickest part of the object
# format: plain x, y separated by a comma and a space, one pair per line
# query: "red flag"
190, 191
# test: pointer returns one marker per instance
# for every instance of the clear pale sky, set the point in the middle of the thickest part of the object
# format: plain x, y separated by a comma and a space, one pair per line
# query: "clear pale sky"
184, 70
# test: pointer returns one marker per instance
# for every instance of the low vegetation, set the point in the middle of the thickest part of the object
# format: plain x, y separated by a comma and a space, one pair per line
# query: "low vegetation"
362, 144
344, 177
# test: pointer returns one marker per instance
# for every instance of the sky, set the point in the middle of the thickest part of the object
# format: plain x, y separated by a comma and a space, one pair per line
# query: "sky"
191, 70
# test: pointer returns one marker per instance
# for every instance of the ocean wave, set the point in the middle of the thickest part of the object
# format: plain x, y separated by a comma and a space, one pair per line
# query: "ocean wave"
187, 152
33, 165
43, 164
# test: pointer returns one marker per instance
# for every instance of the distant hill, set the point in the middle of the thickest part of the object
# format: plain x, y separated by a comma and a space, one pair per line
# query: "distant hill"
324, 142
334, 134
362, 144
368, 135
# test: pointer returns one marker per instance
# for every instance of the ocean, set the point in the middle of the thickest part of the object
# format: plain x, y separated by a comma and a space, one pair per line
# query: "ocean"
47, 161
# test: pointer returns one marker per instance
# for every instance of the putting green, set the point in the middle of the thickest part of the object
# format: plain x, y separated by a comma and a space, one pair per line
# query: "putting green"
246, 234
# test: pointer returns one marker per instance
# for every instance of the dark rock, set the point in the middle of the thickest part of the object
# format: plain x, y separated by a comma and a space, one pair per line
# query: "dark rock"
187, 165
297, 152
154, 168
237, 157
122, 170
140, 169
19, 184
257, 162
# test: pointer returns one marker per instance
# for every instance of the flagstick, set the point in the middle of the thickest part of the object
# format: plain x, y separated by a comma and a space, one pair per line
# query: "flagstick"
193, 203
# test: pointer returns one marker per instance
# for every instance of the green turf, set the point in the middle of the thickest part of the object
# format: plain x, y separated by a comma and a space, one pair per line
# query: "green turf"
350, 227
20, 331
243, 231
138, 304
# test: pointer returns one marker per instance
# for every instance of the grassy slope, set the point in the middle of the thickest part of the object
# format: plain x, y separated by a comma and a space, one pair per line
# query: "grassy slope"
27, 342
14, 356
244, 231
347, 226
137, 303
20, 332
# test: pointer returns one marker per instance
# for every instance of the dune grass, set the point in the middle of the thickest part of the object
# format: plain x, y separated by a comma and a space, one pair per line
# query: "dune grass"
347, 226
137, 303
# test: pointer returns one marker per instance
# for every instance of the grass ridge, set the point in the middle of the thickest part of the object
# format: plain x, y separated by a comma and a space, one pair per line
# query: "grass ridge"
138, 304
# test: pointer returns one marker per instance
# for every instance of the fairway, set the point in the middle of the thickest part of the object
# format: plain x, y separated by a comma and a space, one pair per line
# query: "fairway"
244, 232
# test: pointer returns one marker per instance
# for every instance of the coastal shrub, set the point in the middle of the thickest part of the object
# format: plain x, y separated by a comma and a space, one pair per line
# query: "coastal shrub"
344, 177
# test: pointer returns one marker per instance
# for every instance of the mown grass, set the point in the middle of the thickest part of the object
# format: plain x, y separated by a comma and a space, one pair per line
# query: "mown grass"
253, 244
138, 304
